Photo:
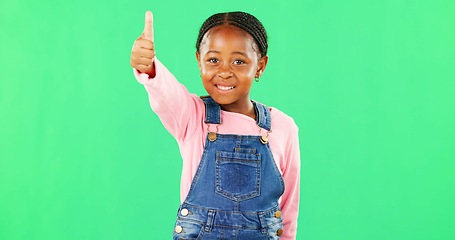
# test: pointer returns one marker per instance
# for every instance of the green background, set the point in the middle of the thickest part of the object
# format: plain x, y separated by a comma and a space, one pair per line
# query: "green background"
369, 83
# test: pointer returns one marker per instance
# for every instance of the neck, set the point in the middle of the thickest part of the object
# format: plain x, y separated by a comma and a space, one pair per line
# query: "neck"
245, 109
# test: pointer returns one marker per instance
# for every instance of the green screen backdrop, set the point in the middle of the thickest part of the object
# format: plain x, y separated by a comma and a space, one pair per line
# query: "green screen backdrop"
369, 83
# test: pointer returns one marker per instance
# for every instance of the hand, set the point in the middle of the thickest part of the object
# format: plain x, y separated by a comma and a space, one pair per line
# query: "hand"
144, 48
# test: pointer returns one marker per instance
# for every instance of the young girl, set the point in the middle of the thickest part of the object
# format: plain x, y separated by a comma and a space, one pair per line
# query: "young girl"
241, 160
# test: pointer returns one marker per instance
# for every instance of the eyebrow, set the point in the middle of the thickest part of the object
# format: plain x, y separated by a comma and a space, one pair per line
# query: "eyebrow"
236, 52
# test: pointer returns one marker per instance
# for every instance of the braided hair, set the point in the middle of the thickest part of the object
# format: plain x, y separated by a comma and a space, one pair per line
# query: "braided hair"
242, 20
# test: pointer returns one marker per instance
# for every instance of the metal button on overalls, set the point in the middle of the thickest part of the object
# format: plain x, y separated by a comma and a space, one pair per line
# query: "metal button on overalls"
278, 214
178, 229
184, 212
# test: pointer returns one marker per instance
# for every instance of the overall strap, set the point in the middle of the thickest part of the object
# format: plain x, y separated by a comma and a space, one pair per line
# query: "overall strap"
263, 116
212, 111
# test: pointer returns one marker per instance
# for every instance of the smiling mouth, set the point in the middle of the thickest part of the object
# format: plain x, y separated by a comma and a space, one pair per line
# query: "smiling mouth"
225, 88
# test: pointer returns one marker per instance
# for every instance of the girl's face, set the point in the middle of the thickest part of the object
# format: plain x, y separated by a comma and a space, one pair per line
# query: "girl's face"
229, 63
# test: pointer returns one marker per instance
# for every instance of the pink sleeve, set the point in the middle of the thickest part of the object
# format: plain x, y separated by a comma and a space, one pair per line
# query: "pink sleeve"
290, 199
171, 101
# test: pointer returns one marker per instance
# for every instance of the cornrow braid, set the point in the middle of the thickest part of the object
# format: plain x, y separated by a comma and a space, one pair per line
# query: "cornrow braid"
242, 20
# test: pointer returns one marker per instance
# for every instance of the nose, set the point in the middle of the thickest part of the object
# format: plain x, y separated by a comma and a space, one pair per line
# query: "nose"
224, 71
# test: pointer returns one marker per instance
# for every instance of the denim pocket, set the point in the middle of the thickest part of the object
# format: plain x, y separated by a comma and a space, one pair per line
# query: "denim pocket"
187, 230
238, 175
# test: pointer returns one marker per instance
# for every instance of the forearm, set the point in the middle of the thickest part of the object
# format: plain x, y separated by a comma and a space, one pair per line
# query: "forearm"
169, 99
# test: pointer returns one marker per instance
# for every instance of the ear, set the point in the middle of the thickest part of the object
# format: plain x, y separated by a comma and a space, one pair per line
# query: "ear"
261, 66
198, 59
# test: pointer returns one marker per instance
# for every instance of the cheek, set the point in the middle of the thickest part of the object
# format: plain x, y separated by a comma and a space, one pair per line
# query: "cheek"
245, 71
206, 77
205, 69
206, 82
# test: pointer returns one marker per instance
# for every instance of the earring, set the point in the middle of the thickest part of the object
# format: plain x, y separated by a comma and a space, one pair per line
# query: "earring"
256, 79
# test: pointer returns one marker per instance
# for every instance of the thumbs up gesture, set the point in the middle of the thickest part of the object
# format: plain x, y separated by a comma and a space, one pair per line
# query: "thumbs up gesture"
143, 50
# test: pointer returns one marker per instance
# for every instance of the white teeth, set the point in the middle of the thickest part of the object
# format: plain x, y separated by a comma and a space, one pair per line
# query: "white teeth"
224, 88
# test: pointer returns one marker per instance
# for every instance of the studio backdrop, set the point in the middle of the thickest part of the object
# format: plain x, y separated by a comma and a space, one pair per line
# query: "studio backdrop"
371, 85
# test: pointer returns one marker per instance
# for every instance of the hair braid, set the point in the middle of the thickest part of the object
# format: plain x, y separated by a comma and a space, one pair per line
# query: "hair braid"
241, 20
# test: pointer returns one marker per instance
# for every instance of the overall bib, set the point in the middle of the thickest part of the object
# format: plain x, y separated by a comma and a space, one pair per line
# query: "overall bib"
235, 190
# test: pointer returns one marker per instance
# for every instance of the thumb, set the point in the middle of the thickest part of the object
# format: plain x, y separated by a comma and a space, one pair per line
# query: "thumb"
148, 26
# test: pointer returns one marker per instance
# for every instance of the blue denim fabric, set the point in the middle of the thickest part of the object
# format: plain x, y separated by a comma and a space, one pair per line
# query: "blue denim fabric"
234, 193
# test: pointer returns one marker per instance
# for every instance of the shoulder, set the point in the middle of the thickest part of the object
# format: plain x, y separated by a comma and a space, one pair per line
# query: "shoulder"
284, 137
282, 121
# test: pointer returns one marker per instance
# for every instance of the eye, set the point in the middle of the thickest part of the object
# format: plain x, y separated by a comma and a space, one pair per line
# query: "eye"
212, 60
239, 62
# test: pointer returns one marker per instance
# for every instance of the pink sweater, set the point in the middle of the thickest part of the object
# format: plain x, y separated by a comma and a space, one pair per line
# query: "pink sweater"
182, 114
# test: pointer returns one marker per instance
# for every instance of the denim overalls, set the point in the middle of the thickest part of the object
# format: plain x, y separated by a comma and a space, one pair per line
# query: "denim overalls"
234, 193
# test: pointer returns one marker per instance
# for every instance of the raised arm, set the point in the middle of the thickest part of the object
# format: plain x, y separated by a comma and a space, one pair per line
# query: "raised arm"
169, 99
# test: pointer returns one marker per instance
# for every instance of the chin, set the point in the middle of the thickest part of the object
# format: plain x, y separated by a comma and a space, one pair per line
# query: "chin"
221, 100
